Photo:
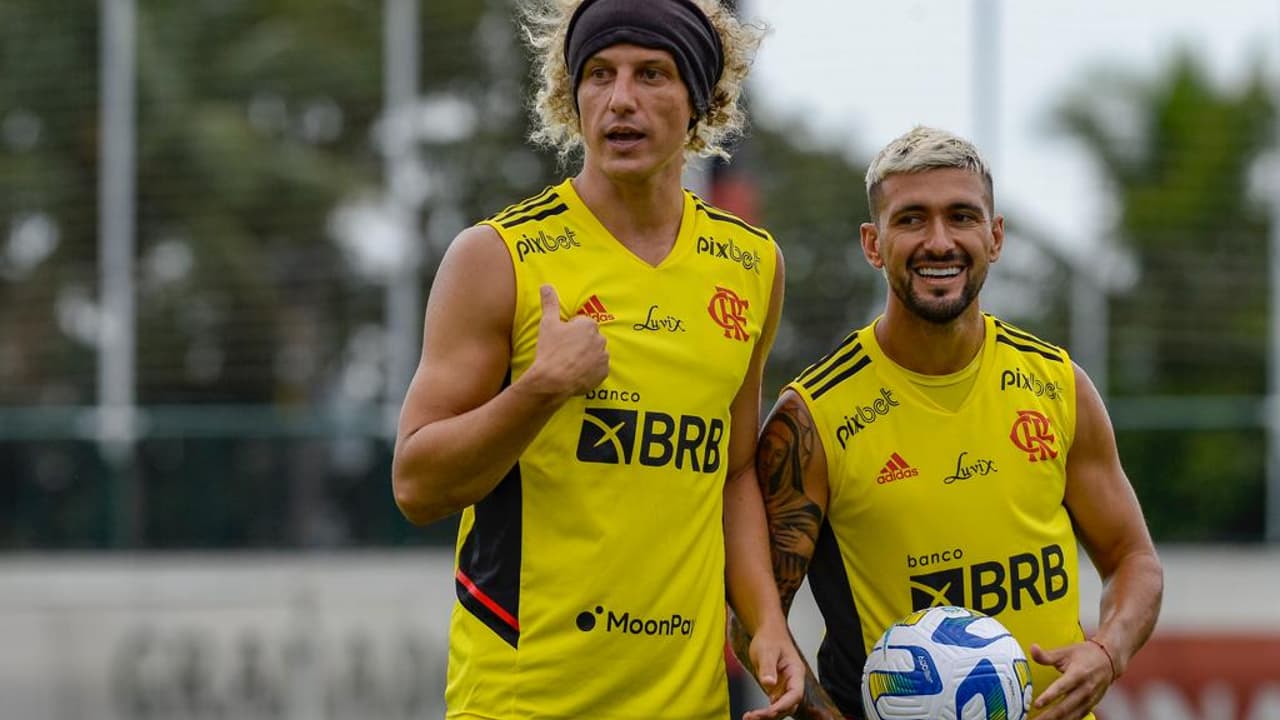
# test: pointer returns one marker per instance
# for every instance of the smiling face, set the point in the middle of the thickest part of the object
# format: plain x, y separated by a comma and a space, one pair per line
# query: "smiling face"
635, 112
934, 238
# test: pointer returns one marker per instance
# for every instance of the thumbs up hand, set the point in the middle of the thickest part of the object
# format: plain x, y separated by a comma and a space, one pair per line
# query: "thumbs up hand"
571, 358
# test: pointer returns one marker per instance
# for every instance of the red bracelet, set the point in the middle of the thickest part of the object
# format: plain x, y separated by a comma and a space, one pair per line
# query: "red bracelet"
1110, 660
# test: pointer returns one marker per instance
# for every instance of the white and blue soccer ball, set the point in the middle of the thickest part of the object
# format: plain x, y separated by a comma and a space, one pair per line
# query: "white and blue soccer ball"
946, 663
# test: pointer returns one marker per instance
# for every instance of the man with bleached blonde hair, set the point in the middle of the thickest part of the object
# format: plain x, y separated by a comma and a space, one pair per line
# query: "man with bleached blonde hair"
941, 456
588, 395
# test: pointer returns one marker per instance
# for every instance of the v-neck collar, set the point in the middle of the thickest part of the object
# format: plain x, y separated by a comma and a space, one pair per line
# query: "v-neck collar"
901, 378
684, 236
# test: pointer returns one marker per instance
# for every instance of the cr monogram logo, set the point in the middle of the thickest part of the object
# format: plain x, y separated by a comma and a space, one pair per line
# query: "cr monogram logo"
1031, 434
727, 310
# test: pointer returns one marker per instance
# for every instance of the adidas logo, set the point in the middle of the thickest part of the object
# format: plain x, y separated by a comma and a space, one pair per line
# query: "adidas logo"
896, 469
595, 310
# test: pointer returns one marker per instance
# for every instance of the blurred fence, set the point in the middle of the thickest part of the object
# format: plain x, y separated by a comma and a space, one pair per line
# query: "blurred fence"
196, 342
201, 477
217, 244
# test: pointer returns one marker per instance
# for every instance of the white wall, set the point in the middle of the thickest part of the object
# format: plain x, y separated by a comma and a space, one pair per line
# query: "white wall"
349, 635
353, 634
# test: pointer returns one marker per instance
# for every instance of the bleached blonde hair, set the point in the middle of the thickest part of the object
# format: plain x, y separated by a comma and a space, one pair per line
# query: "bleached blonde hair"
544, 24
925, 148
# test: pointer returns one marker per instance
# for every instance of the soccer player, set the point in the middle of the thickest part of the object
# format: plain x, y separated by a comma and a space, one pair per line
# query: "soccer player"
589, 393
941, 456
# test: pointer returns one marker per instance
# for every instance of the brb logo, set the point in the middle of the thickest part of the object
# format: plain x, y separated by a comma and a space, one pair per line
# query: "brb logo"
1031, 434
729, 312
543, 243
749, 260
609, 436
625, 623
990, 587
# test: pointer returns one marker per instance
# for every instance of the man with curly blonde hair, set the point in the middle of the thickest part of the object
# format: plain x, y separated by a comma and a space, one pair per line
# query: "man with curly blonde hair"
589, 393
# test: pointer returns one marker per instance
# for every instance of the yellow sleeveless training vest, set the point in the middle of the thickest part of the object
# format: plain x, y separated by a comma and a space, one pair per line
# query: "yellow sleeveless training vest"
590, 583
931, 507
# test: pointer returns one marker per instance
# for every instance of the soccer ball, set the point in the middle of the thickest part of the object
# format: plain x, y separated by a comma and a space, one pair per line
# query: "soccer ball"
946, 663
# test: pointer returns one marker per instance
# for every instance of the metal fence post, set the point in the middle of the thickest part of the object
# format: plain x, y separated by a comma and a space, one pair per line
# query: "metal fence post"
117, 423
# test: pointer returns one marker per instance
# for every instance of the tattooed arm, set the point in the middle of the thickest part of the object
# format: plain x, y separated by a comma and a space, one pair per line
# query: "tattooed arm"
791, 468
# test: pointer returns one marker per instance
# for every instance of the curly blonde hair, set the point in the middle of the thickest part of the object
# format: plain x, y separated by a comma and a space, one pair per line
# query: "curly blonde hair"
556, 125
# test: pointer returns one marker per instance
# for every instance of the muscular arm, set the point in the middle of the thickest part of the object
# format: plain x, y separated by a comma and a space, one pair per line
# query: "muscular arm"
1113, 531
1111, 527
460, 430
791, 469
795, 491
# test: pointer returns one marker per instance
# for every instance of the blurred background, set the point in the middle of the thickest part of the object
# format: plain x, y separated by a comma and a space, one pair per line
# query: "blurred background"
219, 220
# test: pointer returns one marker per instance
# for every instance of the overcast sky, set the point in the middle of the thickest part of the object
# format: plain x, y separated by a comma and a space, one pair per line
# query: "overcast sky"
861, 73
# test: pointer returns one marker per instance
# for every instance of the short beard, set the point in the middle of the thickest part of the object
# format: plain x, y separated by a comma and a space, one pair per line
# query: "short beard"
941, 312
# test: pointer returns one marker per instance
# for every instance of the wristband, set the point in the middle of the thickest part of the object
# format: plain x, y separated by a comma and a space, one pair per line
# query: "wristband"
1110, 660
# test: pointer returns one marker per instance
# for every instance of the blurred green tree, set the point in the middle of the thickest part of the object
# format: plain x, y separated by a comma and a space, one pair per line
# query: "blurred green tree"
1180, 155
812, 199
257, 124
48, 103
260, 176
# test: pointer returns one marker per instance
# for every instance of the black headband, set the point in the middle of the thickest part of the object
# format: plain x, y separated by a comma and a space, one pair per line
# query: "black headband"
677, 26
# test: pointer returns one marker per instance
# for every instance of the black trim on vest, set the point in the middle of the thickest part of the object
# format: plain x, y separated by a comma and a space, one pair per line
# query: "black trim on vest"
545, 197
488, 581
841, 655
549, 212
1001, 338
717, 214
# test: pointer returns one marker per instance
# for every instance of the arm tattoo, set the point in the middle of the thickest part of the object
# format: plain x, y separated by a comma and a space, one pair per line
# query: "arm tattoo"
785, 449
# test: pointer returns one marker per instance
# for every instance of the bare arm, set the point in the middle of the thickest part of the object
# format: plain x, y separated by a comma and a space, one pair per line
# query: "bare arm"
460, 430
1111, 527
749, 579
1113, 530
791, 468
